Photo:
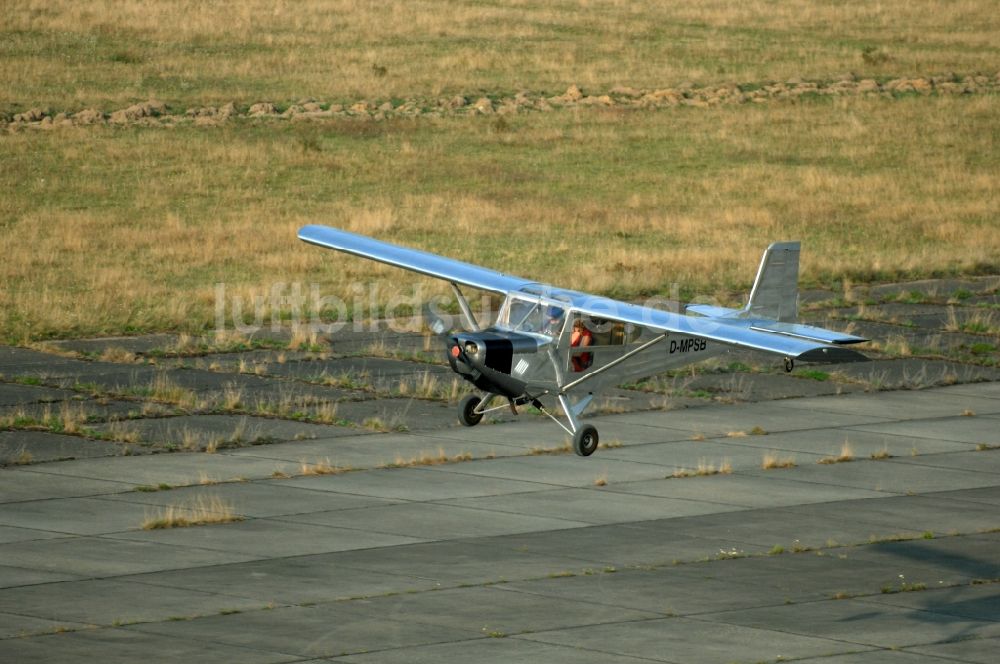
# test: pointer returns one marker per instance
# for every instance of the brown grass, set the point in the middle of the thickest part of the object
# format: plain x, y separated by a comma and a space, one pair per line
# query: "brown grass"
427, 459
773, 460
156, 251
881, 454
565, 448
704, 469
199, 511
322, 467
88, 215
846, 454
438, 47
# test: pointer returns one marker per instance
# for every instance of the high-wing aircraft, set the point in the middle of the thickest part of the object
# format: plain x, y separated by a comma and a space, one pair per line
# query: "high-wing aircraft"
551, 344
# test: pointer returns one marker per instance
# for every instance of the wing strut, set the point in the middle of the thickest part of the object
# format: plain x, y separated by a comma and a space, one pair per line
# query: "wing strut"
612, 364
463, 304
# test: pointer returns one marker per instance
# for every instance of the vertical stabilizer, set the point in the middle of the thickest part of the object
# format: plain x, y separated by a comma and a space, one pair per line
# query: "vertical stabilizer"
775, 292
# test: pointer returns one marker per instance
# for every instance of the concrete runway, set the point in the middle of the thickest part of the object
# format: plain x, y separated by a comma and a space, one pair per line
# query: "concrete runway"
515, 556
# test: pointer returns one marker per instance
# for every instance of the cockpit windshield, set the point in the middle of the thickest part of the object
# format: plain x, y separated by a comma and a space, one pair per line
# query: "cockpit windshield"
533, 316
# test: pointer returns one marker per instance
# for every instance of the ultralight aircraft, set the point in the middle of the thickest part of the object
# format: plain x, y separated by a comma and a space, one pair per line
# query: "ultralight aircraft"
550, 343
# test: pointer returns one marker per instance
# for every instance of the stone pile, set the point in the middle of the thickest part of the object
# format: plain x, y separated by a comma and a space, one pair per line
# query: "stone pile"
153, 112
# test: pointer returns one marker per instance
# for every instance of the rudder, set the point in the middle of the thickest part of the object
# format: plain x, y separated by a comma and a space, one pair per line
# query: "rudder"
775, 291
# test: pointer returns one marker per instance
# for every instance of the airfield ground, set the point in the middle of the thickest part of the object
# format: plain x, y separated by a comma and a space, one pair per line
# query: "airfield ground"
153, 152
377, 530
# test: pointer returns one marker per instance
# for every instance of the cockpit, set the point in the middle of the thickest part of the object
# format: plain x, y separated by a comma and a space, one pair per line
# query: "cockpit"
533, 316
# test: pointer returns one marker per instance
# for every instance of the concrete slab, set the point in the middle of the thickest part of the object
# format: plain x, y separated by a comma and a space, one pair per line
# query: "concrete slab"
197, 430
884, 626
987, 495
560, 470
317, 631
976, 602
255, 500
770, 416
428, 521
740, 452
110, 602
746, 491
42, 446
375, 449
77, 516
28, 483
301, 580
493, 651
115, 646
903, 405
973, 430
763, 530
888, 476
464, 562
138, 344
493, 610
260, 538
941, 561
684, 640
173, 469
413, 484
679, 590
12, 577
978, 651
527, 548
977, 390
100, 557
863, 444
16, 626
593, 506
643, 544
13, 394
398, 414
897, 514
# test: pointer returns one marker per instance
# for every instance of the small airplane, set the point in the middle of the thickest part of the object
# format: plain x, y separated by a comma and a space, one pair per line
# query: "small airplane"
549, 343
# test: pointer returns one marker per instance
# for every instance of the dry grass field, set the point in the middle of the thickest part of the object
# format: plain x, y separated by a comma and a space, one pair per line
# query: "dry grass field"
110, 52
124, 229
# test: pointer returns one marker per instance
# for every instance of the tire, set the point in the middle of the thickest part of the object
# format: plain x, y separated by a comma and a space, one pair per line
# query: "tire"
585, 440
467, 414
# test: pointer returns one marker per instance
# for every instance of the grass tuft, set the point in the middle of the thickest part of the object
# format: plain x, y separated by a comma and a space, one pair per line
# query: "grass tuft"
772, 460
199, 511
321, 467
846, 455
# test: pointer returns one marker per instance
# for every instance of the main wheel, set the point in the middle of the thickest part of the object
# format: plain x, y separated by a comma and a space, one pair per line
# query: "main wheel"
585, 440
467, 414
789, 364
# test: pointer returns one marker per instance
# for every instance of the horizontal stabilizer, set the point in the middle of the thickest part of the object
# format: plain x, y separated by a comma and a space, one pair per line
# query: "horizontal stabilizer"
809, 332
832, 354
712, 311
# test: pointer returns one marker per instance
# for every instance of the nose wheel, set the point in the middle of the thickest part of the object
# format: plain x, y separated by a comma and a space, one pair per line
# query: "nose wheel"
585, 440
467, 411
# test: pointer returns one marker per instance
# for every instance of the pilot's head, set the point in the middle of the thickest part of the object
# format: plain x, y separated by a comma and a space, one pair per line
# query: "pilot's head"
555, 313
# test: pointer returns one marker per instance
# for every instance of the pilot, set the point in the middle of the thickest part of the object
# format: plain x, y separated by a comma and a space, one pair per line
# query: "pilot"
581, 337
553, 326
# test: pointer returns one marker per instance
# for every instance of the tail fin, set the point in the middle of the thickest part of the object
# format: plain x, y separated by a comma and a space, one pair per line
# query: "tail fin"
775, 292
